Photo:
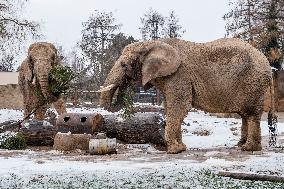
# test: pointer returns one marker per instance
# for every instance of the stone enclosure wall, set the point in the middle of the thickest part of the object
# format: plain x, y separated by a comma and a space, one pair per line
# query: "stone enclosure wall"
11, 97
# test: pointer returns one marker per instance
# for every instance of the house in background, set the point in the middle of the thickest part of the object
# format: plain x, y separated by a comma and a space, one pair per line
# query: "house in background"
10, 95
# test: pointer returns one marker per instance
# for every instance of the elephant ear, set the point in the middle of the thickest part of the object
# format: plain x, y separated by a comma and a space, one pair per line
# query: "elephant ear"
161, 60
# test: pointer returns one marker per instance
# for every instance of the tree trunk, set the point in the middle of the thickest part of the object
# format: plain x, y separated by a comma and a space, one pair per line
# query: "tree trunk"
251, 176
142, 128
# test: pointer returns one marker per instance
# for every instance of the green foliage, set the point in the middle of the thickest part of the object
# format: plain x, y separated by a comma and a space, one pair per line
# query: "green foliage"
128, 98
13, 142
39, 93
59, 78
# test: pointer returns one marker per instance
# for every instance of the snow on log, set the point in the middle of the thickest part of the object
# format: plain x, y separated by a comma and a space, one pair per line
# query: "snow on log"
38, 133
251, 176
9, 126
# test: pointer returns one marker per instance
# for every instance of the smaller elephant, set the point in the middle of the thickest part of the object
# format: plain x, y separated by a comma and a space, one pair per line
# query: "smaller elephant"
33, 80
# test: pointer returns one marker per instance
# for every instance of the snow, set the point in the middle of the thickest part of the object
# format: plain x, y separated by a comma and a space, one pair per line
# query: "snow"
211, 146
8, 114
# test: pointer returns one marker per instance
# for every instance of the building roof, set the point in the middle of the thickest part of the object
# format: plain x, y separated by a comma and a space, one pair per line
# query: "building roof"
8, 78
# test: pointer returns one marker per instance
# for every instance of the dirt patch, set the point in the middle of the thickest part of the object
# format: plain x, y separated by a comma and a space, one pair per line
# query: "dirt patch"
201, 133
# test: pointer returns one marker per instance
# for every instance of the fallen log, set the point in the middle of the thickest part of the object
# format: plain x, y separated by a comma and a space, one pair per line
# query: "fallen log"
38, 133
142, 128
9, 126
78, 123
251, 176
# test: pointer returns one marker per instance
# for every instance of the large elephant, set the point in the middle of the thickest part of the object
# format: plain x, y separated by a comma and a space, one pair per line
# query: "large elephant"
33, 80
226, 75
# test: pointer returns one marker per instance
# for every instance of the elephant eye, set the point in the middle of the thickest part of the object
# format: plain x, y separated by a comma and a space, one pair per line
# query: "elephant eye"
123, 65
30, 59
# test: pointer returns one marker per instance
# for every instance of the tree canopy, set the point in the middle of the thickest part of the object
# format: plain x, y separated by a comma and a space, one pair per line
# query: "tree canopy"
14, 30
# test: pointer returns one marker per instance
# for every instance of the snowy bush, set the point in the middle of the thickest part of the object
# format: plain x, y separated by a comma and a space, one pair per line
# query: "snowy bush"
12, 141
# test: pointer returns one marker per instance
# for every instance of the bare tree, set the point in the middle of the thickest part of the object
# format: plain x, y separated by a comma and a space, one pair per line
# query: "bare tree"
241, 19
14, 30
97, 35
260, 22
152, 25
172, 28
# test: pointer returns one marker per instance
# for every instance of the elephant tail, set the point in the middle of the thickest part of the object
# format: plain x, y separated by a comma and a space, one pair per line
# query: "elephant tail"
272, 117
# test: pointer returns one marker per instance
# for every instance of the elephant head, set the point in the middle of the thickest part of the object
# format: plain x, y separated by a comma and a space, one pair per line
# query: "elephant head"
42, 57
140, 62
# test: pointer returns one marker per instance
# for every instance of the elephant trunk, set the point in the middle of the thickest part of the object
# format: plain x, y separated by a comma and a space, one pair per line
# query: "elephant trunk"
41, 73
114, 80
43, 82
106, 99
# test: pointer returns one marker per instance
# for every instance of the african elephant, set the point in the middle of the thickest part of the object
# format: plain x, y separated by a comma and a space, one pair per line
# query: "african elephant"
33, 79
226, 75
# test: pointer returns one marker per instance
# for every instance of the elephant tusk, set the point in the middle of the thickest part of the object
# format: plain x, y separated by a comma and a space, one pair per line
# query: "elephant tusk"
34, 81
107, 88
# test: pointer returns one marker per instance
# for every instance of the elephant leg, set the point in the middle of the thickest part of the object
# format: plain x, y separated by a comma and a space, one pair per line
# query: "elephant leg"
253, 142
40, 112
176, 111
28, 99
59, 106
244, 131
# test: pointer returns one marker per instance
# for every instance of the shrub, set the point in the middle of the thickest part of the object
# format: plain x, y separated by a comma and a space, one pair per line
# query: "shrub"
128, 103
59, 78
12, 141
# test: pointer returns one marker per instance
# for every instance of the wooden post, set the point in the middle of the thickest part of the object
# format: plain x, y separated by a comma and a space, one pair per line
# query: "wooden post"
251, 176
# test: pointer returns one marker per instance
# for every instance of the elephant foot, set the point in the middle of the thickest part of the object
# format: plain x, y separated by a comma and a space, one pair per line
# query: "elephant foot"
252, 146
241, 142
176, 148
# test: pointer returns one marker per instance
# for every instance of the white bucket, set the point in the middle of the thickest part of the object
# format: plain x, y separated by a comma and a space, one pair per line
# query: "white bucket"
102, 146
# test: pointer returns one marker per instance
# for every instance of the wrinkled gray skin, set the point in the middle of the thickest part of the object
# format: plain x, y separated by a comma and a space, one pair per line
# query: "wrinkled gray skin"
226, 75
42, 57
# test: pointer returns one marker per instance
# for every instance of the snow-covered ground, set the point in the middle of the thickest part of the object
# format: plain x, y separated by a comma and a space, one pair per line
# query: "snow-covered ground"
211, 148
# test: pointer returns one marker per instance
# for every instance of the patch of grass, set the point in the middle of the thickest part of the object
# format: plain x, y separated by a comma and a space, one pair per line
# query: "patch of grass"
183, 178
